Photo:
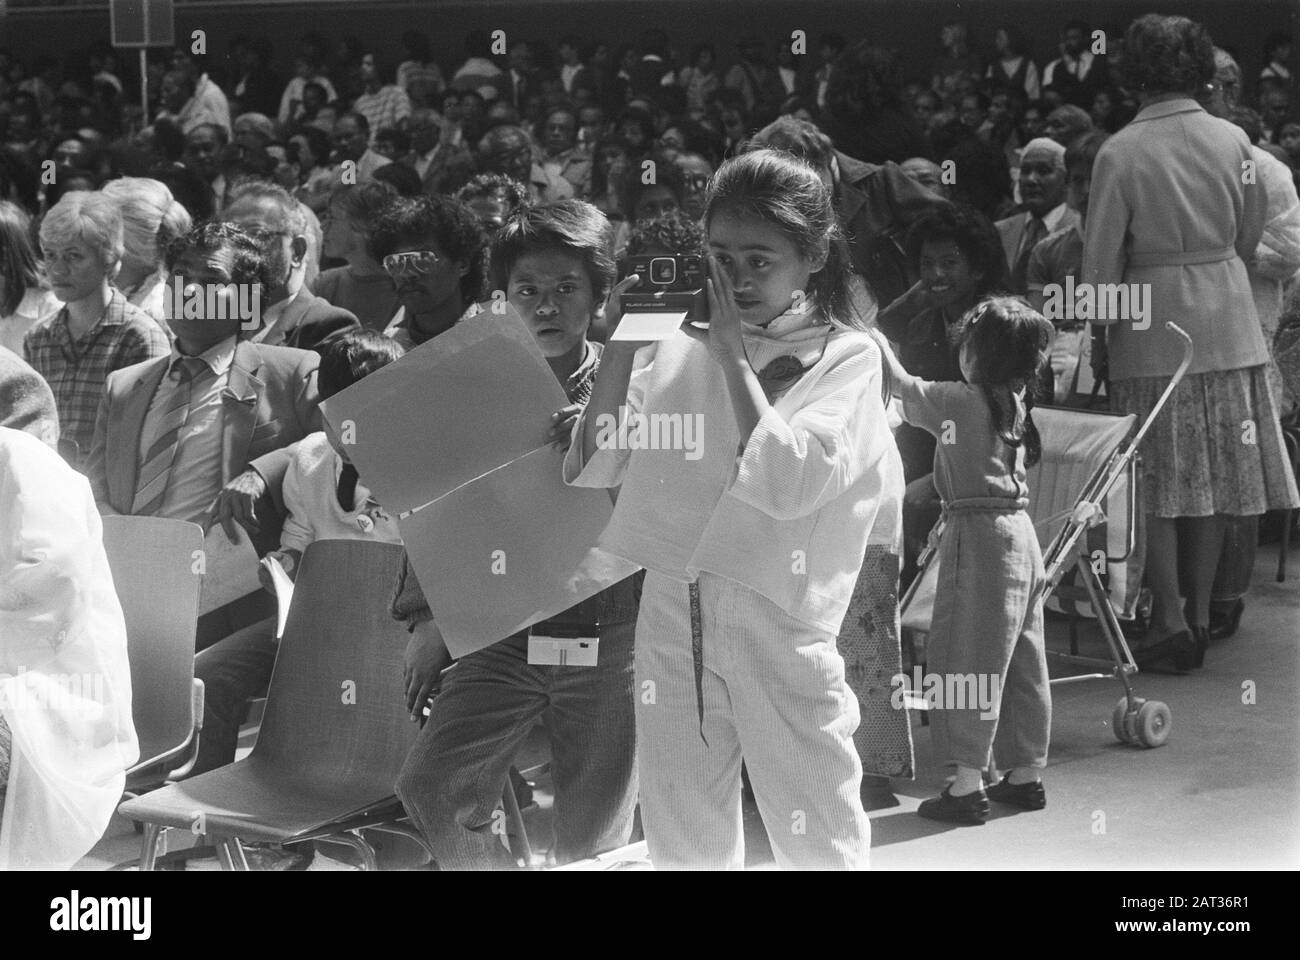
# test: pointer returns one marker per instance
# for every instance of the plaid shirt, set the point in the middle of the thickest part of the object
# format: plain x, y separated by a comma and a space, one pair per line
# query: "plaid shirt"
77, 371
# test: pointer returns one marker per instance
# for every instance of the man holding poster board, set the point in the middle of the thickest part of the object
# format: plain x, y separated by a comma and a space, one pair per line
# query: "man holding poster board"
459, 437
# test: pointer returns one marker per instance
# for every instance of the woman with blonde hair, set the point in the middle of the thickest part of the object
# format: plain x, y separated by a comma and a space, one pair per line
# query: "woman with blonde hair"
151, 219
97, 331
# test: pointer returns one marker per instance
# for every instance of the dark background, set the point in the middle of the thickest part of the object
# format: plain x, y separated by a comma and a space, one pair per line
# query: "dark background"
909, 26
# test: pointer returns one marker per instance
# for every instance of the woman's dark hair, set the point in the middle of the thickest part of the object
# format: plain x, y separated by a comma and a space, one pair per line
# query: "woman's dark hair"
400, 177
351, 356
189, 189
673, 231
19, 265
972, 232
319, 142
788, 194
1008, 342
1167, 55
513, 193
19, 178
247, 264
449, 223
574, 226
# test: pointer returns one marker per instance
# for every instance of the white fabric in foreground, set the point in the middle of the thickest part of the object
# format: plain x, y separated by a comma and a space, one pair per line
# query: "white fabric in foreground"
65, 682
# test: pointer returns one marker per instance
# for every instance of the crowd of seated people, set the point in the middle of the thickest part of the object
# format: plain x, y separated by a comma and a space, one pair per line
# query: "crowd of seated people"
374, 205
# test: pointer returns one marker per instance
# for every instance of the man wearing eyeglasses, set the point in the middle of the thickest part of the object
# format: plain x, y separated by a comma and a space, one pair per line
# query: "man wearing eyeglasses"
508, 150
291, 314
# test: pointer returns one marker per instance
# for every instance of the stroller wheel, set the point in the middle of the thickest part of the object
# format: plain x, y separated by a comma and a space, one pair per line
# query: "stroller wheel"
1120, 723
1154, 723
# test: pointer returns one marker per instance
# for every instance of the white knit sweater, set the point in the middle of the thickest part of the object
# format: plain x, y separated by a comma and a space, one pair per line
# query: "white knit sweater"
311, 498
791, 516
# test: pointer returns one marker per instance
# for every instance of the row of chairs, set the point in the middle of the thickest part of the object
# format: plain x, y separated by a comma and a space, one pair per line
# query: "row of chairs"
334, 730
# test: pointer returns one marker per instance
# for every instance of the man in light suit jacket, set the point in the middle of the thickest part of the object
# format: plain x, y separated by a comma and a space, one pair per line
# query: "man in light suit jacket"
1042, 190
172, 430
292, 316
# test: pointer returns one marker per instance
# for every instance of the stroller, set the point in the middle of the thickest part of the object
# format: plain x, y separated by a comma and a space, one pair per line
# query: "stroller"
1086, 458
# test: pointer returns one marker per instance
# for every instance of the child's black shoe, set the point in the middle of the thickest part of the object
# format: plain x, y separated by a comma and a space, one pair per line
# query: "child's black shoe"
1026, 796
971, 809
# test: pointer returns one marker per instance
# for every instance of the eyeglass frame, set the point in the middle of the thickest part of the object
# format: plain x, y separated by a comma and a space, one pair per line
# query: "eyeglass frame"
394, 263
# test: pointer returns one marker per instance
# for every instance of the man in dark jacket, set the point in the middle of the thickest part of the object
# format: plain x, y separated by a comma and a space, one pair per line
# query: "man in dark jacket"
292, 316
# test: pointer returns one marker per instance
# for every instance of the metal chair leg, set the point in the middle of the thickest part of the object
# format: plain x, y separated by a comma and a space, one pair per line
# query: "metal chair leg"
360, 845
405, 830
231, 854
521, 850
149, 845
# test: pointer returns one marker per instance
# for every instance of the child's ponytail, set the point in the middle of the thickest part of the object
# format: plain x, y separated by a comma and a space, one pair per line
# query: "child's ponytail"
1009, 344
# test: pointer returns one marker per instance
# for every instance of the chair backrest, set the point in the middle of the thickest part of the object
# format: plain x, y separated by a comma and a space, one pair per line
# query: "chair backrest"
153, 565
335, 712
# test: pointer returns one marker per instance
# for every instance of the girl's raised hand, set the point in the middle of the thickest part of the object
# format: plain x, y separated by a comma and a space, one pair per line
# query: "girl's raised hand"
723, 338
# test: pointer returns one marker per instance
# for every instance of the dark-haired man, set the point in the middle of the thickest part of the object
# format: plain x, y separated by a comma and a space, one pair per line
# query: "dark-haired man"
172, 430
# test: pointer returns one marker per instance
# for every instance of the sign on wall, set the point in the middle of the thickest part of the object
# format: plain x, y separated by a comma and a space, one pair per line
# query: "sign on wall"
142, 23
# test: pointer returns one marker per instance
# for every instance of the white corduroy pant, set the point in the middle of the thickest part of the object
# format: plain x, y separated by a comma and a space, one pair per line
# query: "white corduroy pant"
775, 695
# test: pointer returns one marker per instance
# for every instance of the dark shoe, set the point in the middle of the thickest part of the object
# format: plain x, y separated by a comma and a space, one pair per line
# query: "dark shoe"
1026, 796
971, 810
1223, 626
1177, 650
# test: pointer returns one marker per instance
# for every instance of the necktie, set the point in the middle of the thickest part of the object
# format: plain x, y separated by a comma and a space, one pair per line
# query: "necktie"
1035, 230
155, 467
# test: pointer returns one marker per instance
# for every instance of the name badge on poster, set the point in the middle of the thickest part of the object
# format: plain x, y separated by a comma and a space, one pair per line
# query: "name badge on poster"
563, 651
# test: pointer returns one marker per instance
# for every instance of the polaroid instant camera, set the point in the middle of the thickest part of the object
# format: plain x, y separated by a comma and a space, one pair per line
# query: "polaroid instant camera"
669, 284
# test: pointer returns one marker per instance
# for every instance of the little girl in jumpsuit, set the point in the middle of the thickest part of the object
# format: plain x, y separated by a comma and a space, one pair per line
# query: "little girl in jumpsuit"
752, 542
988, 608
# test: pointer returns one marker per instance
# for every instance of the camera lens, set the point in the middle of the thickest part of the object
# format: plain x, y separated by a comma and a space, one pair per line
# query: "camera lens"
663, 270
